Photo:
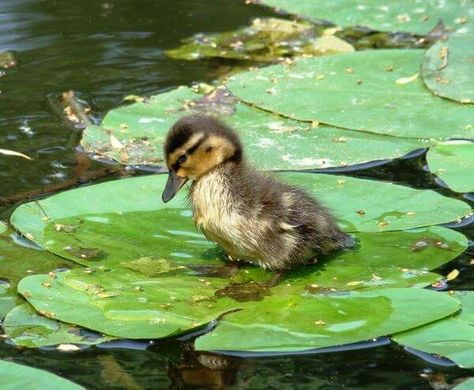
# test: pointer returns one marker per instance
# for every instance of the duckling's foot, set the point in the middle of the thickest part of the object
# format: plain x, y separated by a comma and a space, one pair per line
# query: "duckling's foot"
244, 292
224, 271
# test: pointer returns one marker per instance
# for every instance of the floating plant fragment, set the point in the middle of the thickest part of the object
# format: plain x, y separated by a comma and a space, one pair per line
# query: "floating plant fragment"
271, 142
448, 68
7, 60
404, 15
265, 40
453, 163
368, 98
452, 337
17, 376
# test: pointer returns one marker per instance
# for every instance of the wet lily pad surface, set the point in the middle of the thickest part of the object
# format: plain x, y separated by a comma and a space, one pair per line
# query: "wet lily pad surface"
377, 91
17, 376
135, 134
301, 322
406, 15
452, 162
146, 266
452, 337
448, 68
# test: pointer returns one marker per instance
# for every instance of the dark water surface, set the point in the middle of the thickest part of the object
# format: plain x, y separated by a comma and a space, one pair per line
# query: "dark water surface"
106, 50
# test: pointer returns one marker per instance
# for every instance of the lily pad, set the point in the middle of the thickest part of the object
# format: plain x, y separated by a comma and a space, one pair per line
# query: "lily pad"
452, 337
390, 259
135, 134
466, 385
309, 321
265, 40
127, 305
377, 91
8, 299
147, 281
127, 218
3, 227
26, 328
448, 68
405, 15
17, 260
17, 376
452, 162
374, 206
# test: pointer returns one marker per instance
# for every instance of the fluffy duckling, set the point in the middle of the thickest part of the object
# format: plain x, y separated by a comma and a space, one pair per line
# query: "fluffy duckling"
250, 214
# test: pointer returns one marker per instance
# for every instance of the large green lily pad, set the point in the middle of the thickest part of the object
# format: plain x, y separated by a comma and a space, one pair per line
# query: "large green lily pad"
135, 134
145, 259
466, 385
25, 327
377, 91
452, 337
307, 321
17, 376
453, 162
265, 40
405, 15
122, 210
448, 68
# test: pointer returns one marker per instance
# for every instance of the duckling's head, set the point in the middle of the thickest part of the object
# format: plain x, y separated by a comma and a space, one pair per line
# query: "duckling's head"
195, 145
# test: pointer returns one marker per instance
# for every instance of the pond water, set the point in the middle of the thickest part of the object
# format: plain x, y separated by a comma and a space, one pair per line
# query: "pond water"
105, 50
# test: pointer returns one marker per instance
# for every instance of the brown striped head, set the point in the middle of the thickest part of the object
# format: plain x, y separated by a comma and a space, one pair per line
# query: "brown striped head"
195, 145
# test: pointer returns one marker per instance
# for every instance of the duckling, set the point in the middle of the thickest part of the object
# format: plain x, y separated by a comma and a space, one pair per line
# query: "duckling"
253, 216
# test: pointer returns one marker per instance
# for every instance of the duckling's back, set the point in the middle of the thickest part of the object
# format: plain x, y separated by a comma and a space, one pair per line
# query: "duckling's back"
256, 218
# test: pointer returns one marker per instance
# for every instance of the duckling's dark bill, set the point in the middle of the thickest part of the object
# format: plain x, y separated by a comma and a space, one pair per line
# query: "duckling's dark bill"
173, 185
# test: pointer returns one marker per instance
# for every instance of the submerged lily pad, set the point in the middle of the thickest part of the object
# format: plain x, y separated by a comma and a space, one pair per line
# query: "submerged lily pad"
448, 68
17, 376
307, 321
377, 91
452, 337
135, 134
453, 162
265, 40
404, 15
26, 328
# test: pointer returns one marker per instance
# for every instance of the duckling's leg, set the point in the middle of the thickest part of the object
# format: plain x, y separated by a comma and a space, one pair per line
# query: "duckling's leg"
275, 279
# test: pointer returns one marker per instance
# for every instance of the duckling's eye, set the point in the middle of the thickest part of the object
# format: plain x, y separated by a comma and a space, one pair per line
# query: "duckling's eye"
182, 158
